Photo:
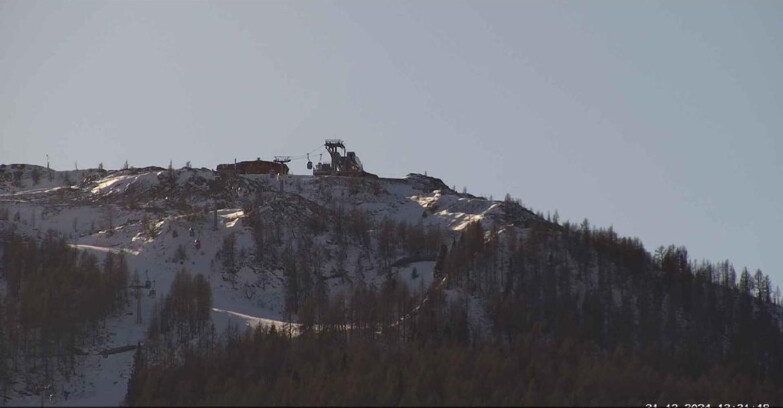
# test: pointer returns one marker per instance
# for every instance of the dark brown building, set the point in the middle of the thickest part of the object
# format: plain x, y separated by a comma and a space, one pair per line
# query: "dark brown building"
253, 167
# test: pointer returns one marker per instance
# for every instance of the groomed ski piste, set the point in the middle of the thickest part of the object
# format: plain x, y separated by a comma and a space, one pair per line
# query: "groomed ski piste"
101, 211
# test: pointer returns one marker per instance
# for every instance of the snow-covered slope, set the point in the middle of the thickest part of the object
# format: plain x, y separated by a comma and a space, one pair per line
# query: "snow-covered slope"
155, 215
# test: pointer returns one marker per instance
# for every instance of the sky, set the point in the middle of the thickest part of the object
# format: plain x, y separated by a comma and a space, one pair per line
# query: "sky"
662, 119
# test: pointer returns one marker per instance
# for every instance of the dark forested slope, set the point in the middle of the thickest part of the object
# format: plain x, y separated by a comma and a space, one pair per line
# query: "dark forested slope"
539, 314
53, 302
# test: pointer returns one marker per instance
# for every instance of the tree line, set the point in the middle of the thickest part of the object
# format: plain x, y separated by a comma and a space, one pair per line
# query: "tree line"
557, 315
56, 299
374, 347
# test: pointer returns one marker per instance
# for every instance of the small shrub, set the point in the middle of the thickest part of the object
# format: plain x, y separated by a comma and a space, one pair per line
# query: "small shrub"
179, 254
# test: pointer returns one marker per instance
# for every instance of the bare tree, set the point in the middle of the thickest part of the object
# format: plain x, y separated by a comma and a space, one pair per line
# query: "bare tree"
109, 219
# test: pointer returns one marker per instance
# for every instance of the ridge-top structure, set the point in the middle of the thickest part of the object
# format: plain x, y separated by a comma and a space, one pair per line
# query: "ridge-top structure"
257, 166
343, 164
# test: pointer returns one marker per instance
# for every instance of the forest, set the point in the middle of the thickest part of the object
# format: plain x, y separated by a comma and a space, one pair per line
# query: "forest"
561, 314
53, 305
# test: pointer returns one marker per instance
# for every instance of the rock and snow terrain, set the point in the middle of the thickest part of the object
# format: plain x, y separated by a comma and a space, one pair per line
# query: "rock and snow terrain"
155, 216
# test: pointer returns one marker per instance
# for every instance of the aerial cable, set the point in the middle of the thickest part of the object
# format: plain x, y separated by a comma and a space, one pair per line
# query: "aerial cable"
302, 156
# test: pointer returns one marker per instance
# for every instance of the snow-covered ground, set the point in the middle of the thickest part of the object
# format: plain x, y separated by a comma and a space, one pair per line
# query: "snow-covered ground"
104, 211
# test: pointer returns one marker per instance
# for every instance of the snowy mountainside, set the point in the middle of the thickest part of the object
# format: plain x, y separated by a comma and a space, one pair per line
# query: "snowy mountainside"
154, 216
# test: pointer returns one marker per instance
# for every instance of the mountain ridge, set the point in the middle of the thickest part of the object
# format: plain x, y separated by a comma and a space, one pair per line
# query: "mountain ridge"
275, 252
150, 213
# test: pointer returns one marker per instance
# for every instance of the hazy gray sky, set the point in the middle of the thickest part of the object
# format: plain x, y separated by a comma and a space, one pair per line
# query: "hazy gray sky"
660, 118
